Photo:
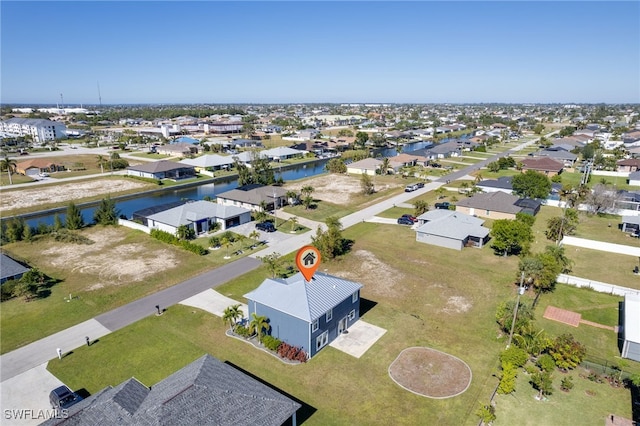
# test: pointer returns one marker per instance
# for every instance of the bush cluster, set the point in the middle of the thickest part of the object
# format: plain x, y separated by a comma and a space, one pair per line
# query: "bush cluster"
271, 343
292, 353
166, 237
242, 331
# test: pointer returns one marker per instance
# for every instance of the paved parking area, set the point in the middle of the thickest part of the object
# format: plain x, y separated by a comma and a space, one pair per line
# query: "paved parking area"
214, 302
27, 395
359, 339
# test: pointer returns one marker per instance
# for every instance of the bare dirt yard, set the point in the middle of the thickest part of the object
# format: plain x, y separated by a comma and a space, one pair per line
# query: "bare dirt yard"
336, 188
49, 194
430, 373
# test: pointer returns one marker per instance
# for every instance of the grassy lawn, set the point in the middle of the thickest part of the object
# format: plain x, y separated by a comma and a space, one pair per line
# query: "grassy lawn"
149, 155
410, 291
15, 178
93, 289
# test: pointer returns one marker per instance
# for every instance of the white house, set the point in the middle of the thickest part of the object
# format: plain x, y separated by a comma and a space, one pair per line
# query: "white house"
39, 129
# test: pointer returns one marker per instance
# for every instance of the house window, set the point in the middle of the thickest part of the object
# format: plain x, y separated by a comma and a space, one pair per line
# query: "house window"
354, 297
314, 326
329, 315
352, 315
322, 340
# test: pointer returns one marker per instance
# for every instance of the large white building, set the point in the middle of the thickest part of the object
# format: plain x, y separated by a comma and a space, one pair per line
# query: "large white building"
39, 129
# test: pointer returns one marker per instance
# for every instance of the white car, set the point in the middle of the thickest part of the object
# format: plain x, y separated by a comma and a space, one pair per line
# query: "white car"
43, 175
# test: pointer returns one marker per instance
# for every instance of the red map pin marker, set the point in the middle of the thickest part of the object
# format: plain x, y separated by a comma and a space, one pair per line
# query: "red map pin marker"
308, 260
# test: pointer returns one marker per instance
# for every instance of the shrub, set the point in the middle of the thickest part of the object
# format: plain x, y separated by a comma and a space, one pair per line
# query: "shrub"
7, 289
566, 384
65, 236
508, 378
214, 241
531, 369
487, 413
567, 352
291, 352
514, 355
546, 363
242, 331
271, 343
166, 237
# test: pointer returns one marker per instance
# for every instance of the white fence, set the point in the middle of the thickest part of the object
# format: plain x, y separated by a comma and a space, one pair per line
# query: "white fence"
596, 285
602, 246
134, 225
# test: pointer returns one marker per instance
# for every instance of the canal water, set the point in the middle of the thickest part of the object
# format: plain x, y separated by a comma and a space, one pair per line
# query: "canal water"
127, 206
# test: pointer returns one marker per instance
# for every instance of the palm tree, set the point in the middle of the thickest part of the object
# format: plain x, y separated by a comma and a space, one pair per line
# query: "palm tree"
292, 197
294, 223
227, 317
9, 165
226, 243
258, 324
384, 166
254, 235
231, 315
307, 190
101, 162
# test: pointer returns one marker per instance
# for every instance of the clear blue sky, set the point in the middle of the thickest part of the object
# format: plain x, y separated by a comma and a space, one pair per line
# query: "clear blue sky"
271, 52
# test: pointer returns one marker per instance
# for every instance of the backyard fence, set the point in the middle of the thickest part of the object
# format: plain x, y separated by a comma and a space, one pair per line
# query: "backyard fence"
596, 285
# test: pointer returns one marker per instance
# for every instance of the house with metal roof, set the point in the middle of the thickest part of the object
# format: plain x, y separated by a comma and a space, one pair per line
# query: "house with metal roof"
162, 169
210, 163
503, 184
205, 392
10, 269
631, 224
254, 197
492, 205
201, 216
451, 229
308, 315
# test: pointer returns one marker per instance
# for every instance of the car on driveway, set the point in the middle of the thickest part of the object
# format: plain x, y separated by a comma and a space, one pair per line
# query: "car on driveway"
443, 206
62, 397
404, 221
411, 218
265, 226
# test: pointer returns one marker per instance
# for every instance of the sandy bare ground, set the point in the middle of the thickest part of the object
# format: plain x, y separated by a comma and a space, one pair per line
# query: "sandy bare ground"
45, 194
335, 188
110, 263
378, 278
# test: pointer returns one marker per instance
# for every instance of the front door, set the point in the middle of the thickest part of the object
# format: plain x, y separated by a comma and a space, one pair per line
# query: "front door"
342, 325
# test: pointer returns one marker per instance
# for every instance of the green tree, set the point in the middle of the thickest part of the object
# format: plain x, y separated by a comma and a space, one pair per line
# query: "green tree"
511, 236
73, 217
254, 235
385, 166
420, 207
559, 226
9, 165
538, 128
106, 213
531, 184
542, 382
57, 222
330, 242
494, 167
226, 243
507, 378
294, 223
504, 316
336, 165
13, 229
567, 352
231, 315
487, 414
272, 262
101, 161
361, 139
27, 233
307, 202
30, 284
259, 324
185, 232
559, 255
366, 184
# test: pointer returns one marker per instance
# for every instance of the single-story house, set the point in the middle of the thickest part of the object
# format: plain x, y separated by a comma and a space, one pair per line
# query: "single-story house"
631, 224
567, 158
282, 153
503, 184
544, 165
209, 163
628, 165
197, 215
308, 315
631, 327
11, 269
178, 149
205, 392
493, 205
634, 178
254, 196
439, 151
367, 166
405, 160
247, 157
162, 169
34, 167
450, 229
529, 206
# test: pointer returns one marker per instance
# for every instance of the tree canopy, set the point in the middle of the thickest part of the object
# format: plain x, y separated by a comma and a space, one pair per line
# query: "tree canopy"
531, 184
511, 236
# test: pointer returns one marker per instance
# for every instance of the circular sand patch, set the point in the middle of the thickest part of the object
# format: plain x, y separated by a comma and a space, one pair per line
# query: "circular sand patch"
430, 373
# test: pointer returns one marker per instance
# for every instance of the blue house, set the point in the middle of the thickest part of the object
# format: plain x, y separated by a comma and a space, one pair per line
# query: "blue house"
309, 315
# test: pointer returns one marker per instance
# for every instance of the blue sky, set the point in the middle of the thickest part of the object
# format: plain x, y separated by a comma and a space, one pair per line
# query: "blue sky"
281, 52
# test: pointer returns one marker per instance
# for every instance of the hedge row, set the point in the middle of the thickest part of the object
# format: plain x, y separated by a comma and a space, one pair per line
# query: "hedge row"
166, 237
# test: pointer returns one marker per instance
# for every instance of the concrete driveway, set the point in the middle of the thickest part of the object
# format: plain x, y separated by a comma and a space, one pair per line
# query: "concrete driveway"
25, 397
214, 302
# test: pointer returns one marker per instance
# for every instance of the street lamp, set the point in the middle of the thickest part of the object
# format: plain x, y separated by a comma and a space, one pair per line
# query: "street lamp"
515, 309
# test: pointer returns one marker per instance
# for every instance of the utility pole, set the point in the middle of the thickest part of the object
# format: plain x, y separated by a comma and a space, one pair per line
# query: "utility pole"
515, 309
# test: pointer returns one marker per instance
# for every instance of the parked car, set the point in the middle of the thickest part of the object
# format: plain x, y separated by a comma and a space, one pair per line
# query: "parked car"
411, 218
404, 221
62, 397
265, 226
443, 206
411, 188
420, 184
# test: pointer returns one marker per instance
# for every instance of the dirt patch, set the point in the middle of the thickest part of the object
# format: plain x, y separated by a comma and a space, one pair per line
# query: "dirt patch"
335, 188
378, 278
106, 260
456, 305
47, 194
430, 373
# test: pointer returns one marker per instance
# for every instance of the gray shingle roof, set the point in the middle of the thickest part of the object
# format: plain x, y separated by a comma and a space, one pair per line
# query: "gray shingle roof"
9, 268
503, 182
205, 392
307, 301
493, 201
209, 160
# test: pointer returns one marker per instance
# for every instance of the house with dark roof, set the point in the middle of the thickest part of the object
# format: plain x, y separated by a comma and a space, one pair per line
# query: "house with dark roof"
496, 205
308, 315
629, 165
439, 151
201, 216
205, 392
162, 169
11, 269
451, 229
567, 158
631, 224
634, 178
544, 165
503, 184
254, 196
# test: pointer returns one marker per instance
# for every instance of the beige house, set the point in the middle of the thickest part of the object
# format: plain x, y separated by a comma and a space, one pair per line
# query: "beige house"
367, 166
492, 205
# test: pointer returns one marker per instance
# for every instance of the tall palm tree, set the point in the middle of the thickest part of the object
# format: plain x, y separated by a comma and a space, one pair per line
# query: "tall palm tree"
294, 223
227, 317
258, 324
9, 165
226, 243
231, 315
384, 166
101, 162
254, 235
307, 190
